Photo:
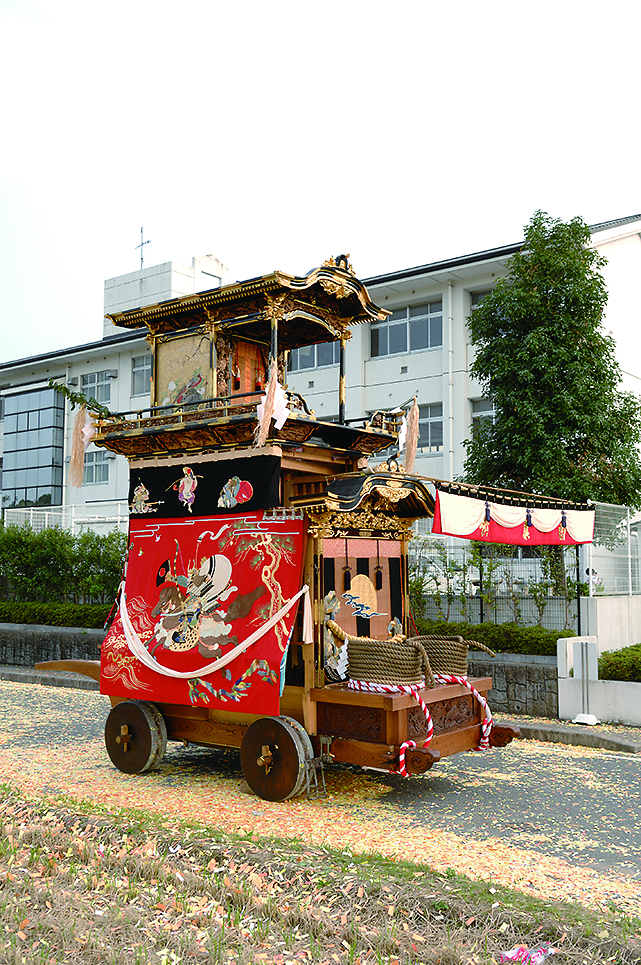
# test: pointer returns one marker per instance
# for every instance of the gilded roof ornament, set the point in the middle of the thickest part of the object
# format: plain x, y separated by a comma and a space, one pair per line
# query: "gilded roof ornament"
340, 261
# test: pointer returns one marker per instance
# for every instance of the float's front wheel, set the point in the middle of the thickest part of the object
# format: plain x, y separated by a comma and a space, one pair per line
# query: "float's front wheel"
135, 736
273, 756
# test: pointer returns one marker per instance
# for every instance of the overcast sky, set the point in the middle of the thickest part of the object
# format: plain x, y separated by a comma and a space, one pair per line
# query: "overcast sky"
273, 135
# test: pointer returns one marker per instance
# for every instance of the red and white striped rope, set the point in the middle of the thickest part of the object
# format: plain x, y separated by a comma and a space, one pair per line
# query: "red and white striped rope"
486, 723
413, 689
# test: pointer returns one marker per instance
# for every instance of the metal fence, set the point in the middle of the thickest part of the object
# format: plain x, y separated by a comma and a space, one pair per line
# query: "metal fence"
78, 518
612, 562
480, 583
483, 584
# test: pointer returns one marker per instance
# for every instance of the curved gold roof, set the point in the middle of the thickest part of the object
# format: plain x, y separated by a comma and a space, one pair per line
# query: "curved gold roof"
318, 307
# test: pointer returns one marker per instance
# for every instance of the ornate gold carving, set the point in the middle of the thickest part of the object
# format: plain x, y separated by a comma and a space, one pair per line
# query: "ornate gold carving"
391, 466
393, 491
212, 314
335, 525
338, 326
340, 261
277, 306
334, 286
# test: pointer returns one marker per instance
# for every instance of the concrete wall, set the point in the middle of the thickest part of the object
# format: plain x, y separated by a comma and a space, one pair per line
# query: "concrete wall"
159, 283
25, 645
611, 701
522, 684
614, 620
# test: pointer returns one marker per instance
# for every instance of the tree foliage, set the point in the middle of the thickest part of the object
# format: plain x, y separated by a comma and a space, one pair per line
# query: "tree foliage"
562, 426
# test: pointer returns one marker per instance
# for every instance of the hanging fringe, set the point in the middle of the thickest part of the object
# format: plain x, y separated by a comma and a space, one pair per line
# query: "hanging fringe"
308, 620
77, 464
347, 573
84, 429
412, 437
266, 408
378, 570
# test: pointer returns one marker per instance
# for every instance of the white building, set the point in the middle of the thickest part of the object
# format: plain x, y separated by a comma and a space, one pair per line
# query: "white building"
37, 423
423, 348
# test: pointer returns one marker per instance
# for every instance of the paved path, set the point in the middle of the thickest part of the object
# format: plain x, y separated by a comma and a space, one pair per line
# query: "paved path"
553, 814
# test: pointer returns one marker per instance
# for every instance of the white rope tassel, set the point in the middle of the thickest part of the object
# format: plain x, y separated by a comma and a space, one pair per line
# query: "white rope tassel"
77, 463
308, 621
265, 409
412, 437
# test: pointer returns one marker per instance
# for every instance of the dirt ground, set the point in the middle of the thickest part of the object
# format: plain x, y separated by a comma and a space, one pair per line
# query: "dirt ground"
307, 864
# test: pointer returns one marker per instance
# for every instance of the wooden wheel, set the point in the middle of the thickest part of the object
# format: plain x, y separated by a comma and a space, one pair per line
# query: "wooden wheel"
273, 756
135, 736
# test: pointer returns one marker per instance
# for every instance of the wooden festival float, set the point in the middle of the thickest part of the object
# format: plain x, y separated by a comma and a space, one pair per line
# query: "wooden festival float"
265, 604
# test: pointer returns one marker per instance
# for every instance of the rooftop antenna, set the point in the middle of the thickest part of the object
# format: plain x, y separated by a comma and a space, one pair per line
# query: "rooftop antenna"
141, 247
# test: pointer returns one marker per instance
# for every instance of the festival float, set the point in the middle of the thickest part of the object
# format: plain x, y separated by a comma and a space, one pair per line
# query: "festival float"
265, 600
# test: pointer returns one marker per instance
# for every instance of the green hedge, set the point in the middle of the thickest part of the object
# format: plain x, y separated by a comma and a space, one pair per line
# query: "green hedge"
90, 616
621, 664
56, 566
501, 637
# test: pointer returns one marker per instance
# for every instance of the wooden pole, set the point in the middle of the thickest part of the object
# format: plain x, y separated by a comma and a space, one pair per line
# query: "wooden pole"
273, 350
341, 383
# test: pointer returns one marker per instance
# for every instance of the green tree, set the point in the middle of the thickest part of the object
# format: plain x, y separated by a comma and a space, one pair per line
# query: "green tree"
562, 426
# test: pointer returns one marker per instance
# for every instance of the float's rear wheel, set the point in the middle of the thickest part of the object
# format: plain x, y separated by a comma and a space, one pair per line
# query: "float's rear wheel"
135, 736
273, 756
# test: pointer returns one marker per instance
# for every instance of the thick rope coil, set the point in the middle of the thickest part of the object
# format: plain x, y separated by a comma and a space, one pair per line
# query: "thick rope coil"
341, 634
395, 660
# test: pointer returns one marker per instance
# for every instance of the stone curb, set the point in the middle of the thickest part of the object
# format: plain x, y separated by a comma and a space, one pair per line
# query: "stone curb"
27, 675
577, 735
574, 734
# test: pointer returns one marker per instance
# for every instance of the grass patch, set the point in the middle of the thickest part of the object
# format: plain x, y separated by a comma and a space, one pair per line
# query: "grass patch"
84, 885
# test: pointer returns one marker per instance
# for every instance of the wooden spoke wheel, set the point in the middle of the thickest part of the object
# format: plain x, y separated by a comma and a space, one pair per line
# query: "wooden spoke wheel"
274, 755
135, 736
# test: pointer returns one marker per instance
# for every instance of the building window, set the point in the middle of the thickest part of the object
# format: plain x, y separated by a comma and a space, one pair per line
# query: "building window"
96, 468
410, 329
477, 297
141, 375
430, 427
314, 356
482, 409
97, 385
33, 448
